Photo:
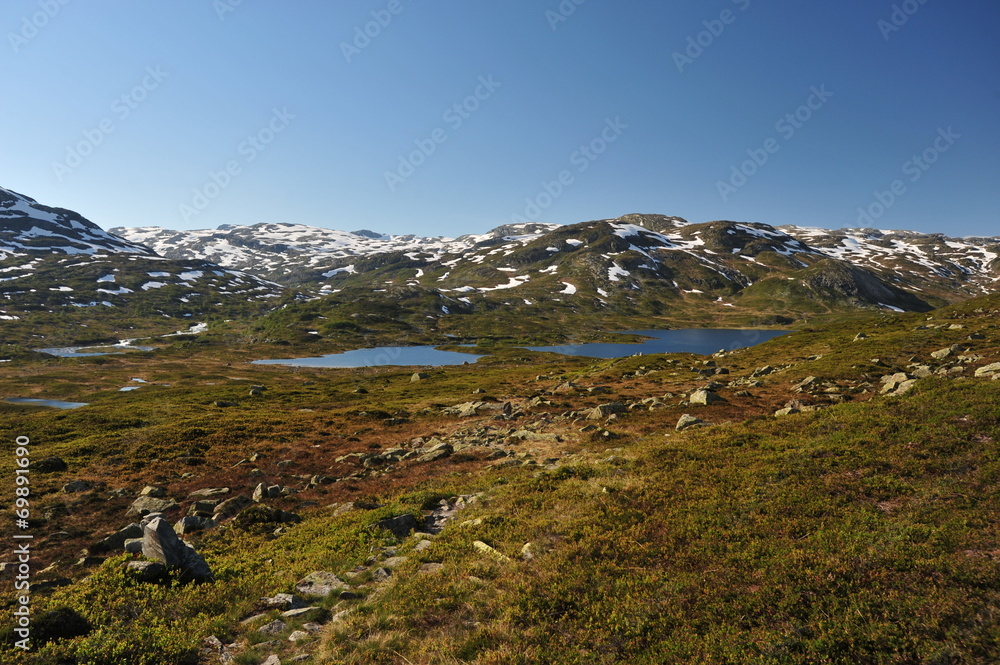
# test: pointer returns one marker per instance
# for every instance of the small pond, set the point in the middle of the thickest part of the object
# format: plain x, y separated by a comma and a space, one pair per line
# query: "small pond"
381, 356
88, 351
703, 341
45, 402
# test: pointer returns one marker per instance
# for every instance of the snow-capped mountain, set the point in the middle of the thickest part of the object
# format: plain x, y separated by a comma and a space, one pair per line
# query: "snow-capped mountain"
929, 264
28, 226
297, 253
52, 258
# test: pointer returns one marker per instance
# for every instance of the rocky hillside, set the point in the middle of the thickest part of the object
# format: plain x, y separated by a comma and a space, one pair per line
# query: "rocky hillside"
293, 253
56, 262
607, 261
829, 496
27, 226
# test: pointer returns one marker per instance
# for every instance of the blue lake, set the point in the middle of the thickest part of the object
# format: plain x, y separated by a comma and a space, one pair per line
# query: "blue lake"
45, 402
700, 341
381, 356
703, 341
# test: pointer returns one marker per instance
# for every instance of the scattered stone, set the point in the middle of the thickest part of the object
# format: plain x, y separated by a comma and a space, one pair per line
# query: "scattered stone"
431, 568
49, 465
528, 552
604, 410
231, 507
299, 636
154, 491
222, 404
860, 336
687, 421
419, 376
271, 660
145, 505
191, 524
208, 493
992, 369
312, 613
320, 583
116, 541
161, 544
704, 398
148, 572
941, 354
381, 574
400, 526
486, 549
133, 546
77, 486
273, 627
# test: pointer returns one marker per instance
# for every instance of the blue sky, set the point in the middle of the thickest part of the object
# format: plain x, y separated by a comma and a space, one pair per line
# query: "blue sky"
198, 113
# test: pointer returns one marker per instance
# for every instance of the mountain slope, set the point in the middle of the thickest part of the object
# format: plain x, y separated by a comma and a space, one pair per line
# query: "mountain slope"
929, 265
54, 262
27, 226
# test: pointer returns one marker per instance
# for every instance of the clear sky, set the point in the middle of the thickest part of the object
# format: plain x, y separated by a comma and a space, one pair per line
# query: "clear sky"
568, 110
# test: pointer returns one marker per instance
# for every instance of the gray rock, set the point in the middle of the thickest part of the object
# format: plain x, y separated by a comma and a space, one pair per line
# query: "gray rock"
312, 613
418, 377
381, 574
161, 544
77, 486
704, 398
192, 523
273, 627
133, 545
988, 370
400, 526
116, 541
282, 601
687, 421
223, 404
145, 505
941, 354
299, 636
392, 563
605, 410
149, 572
208, 493
49, 465
232, 507
271, 660
320, 583
787, 411
154, 491
431, 567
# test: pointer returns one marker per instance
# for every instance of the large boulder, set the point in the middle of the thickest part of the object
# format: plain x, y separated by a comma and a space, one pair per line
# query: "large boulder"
160, 543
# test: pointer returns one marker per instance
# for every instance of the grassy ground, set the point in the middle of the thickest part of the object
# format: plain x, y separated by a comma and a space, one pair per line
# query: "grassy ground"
863, 532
